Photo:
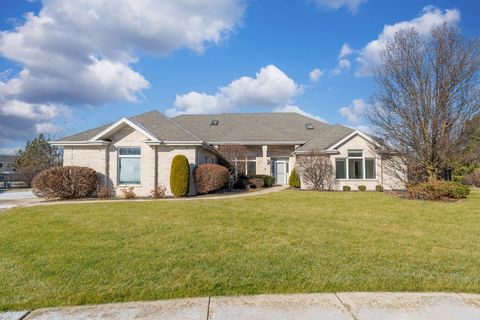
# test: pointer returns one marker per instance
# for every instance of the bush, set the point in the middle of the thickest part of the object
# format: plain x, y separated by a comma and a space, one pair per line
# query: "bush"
158, 192
437, 190
242, 183
347, 188
379, 188
473, 178
66, 183
362, 188
294, 180
268, 181
103, 192
180, 176
210, 177
128, 193
256, 182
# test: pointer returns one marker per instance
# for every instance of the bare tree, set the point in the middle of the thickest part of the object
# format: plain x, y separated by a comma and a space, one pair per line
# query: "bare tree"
316, 171
236, 155
427, 88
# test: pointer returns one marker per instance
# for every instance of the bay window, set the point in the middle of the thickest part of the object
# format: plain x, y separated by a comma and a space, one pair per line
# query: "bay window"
355, 166
129, 165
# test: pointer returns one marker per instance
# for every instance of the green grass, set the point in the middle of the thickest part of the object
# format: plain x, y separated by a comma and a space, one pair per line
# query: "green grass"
286, 242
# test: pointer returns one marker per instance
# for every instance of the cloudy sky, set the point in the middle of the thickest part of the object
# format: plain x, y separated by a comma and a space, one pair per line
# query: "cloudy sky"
68, 66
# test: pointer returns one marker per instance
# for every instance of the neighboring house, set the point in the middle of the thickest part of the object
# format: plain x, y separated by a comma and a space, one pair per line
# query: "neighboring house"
7, 169
138, 151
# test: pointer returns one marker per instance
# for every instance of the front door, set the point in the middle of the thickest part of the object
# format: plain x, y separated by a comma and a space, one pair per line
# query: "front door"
280, 172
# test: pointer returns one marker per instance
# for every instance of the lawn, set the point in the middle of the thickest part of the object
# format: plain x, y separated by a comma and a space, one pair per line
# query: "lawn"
286, 242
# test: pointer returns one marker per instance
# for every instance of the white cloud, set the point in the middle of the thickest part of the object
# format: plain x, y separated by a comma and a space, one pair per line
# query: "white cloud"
9, 151
290, 108
370, 57
354, 112
83, 52
195, 102
345, 51
271, 87
343, 64
316, 74
351, 5
48, 128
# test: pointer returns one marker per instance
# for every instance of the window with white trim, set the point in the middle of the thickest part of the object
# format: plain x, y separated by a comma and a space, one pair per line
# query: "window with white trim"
355, 166
129, 159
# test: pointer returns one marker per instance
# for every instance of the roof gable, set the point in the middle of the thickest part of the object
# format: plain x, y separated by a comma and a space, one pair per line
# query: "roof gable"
153, 125
326, 139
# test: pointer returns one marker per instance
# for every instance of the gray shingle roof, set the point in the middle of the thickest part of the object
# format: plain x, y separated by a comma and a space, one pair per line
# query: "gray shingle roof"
234, 128
153, 121
252, 127
163, 128
327, 138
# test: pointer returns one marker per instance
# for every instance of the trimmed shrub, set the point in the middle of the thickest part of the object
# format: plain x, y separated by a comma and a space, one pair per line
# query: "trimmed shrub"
158, 192
256, 182
103, 192
437, 190
347, 188
210, 177
128, 193
362, 188
294, 180
180, 176
69, 182
379, 188
268, 181
242, 183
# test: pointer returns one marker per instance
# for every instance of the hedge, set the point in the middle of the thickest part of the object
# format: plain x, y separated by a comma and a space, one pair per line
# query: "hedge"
294, 180
437, 190
210, 177
68, 182
180, 176
268, 181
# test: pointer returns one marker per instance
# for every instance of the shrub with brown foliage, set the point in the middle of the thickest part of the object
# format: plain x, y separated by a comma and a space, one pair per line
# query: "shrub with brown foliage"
438, 190
257, 182
128, 193
158, 192
210, 177
66, 183
103, 192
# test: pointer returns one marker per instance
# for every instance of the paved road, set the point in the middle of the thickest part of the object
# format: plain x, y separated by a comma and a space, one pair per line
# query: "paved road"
340, 306
10, 199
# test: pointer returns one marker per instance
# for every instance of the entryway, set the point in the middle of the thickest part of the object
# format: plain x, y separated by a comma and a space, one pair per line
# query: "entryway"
280, 170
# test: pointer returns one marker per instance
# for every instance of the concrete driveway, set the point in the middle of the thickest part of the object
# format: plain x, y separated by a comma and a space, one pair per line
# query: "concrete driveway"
13, 198
330, 306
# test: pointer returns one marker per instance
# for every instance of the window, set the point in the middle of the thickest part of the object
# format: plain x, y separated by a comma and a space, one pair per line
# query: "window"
251, 167
341, 168
247, 167
355, 153
355, 166
129, 165
309, 126
370, 169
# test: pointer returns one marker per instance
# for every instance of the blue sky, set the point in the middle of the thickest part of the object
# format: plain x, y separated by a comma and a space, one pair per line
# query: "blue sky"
67, 67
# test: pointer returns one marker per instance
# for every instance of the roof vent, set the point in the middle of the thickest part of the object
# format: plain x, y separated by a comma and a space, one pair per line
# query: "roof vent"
309, 126
214, 123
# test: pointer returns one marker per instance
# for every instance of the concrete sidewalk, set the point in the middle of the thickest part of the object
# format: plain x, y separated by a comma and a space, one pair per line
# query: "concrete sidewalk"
340, 306
27, 199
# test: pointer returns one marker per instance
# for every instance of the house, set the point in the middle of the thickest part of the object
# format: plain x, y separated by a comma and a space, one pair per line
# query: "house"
7, 169
138, 151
